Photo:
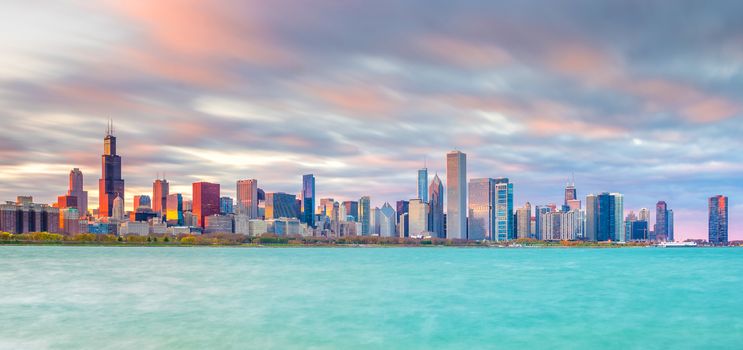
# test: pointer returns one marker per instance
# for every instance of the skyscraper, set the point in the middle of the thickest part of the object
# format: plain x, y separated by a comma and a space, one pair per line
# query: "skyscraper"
111, 184
671, 238
117, 208
540, 212
423, 184
205, 201
523, 221
352, 209
174, 214
308, 199
141, 201
718, 220
503, 210
76, 190
160, 192
436, 198
456, 194
661, 221
403, 226
481, 222
605, 217
365, 215
570, 193
226, 206
281, 205
388, 221
247, 198
418, 215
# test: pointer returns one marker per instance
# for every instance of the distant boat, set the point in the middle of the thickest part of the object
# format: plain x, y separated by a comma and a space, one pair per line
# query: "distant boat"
676, 244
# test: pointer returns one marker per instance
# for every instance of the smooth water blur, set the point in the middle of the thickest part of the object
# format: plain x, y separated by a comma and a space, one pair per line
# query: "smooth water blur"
375, 298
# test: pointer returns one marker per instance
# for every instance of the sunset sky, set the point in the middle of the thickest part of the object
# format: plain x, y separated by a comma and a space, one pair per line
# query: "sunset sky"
637, 97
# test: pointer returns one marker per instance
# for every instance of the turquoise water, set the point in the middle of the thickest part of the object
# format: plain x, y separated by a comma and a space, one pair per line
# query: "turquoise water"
376, 298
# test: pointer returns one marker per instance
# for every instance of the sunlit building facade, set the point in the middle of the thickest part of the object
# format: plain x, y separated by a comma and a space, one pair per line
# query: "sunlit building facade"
456, 194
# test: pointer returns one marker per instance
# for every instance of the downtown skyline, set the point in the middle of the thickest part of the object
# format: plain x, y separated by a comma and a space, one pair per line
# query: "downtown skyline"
651, 122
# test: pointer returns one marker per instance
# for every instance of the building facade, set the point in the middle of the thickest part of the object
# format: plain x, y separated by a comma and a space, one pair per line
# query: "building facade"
456, 194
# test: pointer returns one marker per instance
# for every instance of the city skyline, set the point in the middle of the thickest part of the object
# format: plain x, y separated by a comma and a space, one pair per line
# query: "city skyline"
655, 123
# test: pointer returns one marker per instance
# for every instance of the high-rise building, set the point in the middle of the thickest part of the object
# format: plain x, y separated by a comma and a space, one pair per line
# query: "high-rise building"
352, 209
160, 192
117, 208
388, 221
539, 214
436, 204
247, 198
226, 206
111, 185
456, 194
141, 201
308, 199
174, 214
661, 221
423, 184
523, 221
570, 195
76, 190
718, 220
205, 201
503, 210
605, 217
671, 238
281, 205
402, 227
418, 216
481, 220
644, 215
365, 215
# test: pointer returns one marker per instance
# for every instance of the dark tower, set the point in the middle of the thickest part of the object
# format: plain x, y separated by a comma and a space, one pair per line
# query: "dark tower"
110, 184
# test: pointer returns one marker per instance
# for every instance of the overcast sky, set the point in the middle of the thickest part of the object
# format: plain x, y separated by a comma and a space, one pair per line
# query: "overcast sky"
637, 97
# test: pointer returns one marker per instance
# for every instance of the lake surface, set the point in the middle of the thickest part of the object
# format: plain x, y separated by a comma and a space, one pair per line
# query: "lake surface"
374, 298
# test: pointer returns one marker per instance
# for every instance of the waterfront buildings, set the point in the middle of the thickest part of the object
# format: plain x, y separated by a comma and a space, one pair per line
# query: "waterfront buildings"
218, 224
718, 220
605, 217
661, 221
503, 210
205, 201
141, 201
403, 227
481, 215
281, 205
76, 190
456, 194
174, 214
308, 199
247, 198
351, 208
160, 192
423, 184
387, 221
365, 215
418, 218
523, 221
110, 185
226, 206
436, 206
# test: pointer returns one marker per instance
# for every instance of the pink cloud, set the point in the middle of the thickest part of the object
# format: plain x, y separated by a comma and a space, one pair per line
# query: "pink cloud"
464, 53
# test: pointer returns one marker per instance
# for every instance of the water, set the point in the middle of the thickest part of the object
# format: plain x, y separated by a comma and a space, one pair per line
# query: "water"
381, 298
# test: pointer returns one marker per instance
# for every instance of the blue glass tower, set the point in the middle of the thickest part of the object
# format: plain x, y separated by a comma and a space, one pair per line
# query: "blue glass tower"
423, 184
308, 199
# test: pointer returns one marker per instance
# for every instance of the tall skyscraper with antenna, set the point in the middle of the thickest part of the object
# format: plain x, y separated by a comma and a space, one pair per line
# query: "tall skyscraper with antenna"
423, 183
110, 184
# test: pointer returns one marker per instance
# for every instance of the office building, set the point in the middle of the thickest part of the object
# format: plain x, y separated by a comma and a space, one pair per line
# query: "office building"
418, 218
160, 192
247, 198
661, 221
423, 184
76, 190
456, 194
205, 201
718, 220
308, 200
436, 207
481, 216
605, 217
351, 208
111, 185
403, 228
365, 215
281, 205
523, 221
174, 213
142, 201
226, 206
503, 210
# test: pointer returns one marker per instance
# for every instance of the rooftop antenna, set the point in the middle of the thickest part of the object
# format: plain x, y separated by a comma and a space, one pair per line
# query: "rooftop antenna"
573, 178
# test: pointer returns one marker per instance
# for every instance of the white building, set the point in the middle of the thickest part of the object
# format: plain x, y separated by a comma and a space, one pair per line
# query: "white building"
134, 228
418, 218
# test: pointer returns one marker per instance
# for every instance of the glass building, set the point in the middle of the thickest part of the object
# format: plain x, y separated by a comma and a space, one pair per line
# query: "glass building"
281, 205
174, 213
456, 194
481, 224
365, 215
205, 201
718, 220
308, 200
423, 184
436, 203
503, 210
